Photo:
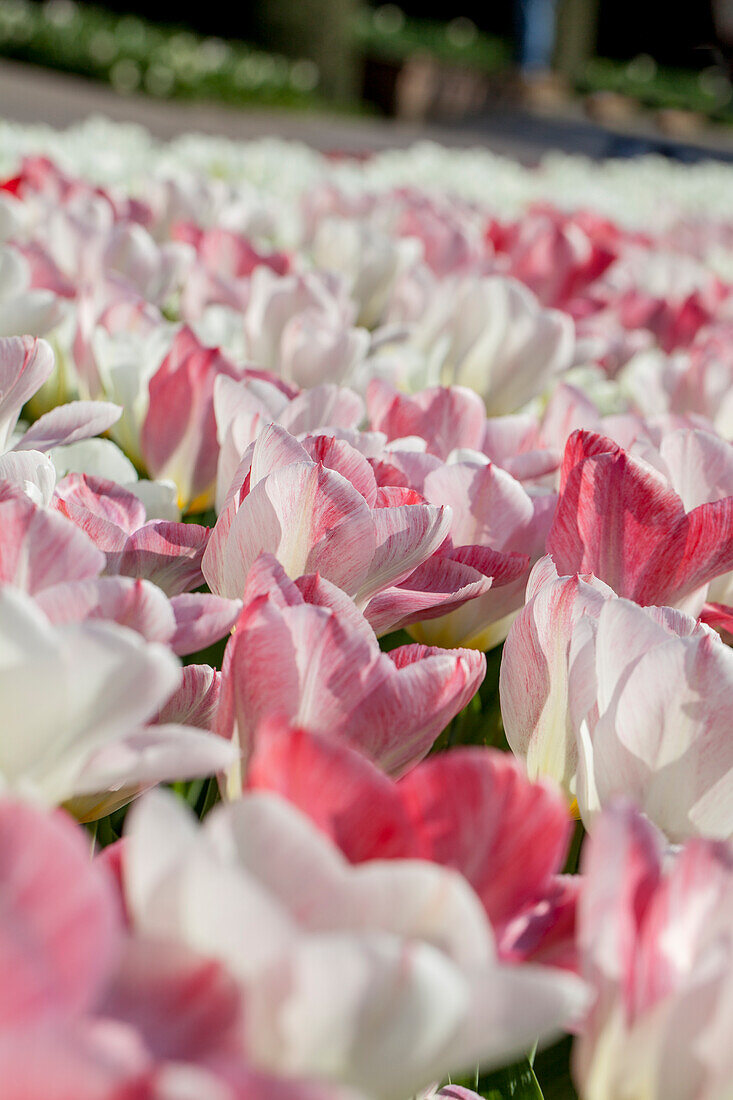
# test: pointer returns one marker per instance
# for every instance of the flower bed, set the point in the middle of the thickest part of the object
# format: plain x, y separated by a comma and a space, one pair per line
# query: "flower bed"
365, 597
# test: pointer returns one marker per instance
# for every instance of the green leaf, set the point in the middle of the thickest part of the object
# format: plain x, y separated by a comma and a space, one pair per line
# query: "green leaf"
515, 1082
552, 1066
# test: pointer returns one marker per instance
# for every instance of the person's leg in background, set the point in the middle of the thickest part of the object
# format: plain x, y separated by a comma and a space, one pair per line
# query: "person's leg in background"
535, 34
535, 29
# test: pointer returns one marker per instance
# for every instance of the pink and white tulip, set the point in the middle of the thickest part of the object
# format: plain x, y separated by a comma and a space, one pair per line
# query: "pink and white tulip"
507, 836
59, 563
178, 438
170, 554
558, 256
243, 409
489, 509
24, 310
447, 418
618, 519
317, 507
93, 1011
317, 944
656, 943
301, 650
25, 364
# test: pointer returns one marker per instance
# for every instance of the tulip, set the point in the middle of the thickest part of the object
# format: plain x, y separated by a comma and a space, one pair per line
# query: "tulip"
51, 965
85, 734
25, 364
316, 506
500, 341
506, 835
90, 1009
186, 623
22, 309
301, 328
447, 418
178, 438
607, 698
656, 942
534, 684
318, 945
489, 509
370, 262
658, 730
244, 409
58, 563
557, 256
303, 651
169, 554
618, 519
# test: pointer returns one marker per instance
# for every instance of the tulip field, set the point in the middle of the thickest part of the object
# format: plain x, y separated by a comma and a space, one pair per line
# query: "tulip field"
366, 603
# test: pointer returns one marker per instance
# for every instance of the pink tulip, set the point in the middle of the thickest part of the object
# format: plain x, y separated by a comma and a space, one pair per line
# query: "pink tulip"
702, 379
56, 561
90, 1011
25, 364
546, 932
40, 548
226, 253
674, 321
196, 700
52, 966
316, 506
187, 623
243, 409
137, 604
448, 230
656, 943
178, 436
508, 852
221, 275
663, 291
74, 1063
699, 467
558, 256
445, 417
302, 650
617, 519
40, 175
489, 509
513, 443
169, 554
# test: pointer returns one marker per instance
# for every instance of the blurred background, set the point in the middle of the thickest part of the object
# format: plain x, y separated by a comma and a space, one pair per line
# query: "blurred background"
605, 77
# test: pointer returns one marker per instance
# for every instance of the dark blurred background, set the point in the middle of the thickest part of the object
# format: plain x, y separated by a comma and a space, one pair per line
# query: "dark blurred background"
636, 66
674, 34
